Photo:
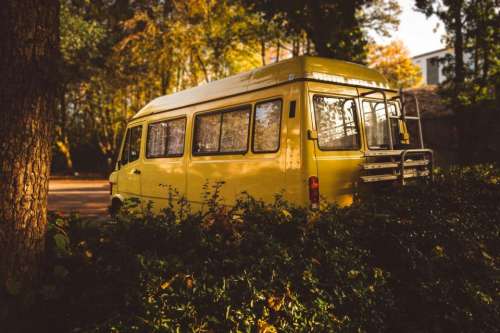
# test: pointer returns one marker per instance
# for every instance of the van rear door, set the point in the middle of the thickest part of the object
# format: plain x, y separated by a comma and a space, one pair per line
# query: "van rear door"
338, 147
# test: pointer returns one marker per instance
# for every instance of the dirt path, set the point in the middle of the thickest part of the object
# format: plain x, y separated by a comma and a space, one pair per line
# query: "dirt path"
87, 197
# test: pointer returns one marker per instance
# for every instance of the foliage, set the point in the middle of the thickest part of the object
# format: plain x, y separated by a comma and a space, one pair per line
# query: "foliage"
120, 55
414, 259
394, 62
337, 28
472, 31
439, 243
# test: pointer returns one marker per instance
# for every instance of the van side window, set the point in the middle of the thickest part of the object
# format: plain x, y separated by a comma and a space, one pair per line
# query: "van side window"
132, 145
166, 138
336, 123
234, 136
175, 137
207, 133
267, 126
222, 132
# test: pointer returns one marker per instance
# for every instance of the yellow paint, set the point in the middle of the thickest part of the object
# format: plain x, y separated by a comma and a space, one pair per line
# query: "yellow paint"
261, 175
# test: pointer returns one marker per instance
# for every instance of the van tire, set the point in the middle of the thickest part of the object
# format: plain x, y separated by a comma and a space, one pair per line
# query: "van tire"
116, 204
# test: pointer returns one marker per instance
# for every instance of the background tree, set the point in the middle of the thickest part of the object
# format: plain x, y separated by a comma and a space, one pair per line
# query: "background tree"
119, 57
393, 60
82, 54
472, 31
29, 67
337, 28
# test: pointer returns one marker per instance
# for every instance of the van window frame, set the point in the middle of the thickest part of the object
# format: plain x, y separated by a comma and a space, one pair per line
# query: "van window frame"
244, 107
356, 121
397, 107
163, 121
279, 132
127, 141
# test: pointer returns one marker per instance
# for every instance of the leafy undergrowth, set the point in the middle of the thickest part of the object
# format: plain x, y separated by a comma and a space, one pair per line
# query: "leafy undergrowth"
423, 258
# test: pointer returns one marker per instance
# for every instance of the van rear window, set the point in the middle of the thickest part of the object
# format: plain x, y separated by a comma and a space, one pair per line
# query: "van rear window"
224, 132
336, 123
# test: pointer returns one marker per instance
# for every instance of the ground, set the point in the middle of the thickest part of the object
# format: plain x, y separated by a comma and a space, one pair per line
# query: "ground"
88, 197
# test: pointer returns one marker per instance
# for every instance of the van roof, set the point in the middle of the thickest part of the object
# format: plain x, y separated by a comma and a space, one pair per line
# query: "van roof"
298, 68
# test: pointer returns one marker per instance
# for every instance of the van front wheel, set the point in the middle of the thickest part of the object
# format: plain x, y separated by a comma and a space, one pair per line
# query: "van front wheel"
116, 204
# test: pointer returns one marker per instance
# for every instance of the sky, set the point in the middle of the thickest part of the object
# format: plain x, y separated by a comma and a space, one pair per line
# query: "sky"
416, 31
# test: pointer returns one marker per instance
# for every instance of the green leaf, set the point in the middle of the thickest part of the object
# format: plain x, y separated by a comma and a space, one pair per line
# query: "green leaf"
62, 243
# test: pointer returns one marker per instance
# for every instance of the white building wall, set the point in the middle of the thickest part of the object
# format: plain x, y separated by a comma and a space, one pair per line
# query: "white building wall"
423, 60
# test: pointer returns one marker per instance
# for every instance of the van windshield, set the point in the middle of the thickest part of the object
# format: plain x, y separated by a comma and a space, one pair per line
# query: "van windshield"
375, 119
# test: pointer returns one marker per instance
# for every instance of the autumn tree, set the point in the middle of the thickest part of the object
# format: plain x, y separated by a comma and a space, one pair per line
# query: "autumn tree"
394, 62
119, 57
29, 65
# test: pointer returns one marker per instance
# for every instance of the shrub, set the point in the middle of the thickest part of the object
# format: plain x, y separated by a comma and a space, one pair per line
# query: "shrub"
418, 258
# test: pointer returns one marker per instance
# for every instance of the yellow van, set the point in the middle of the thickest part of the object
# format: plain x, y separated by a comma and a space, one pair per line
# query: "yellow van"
310, 128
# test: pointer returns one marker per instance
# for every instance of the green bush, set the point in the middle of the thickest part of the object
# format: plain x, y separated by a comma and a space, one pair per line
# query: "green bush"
439, 242
420, 258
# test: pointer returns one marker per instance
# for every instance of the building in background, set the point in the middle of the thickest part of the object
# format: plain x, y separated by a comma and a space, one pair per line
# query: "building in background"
431, 67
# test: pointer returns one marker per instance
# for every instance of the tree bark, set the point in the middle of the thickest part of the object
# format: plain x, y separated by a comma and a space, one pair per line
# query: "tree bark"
29, 32
278, 50
263, 51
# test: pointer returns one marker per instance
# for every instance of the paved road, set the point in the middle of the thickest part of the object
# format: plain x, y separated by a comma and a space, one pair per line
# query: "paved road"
87, 197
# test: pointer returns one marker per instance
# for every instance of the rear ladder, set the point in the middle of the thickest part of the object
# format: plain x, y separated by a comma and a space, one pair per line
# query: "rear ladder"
393, 165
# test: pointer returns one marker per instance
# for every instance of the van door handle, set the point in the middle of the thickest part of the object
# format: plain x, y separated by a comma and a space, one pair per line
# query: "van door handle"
312, 135
136, 172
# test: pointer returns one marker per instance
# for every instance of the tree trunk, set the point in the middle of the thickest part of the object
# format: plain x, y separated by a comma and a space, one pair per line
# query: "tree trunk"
458, 45
278, 50
296, 46
29, 32
263, 51
61, 132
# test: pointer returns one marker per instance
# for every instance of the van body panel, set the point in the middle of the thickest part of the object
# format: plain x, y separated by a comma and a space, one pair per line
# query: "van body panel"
261, 175
129, 182
296, 159
163, 178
